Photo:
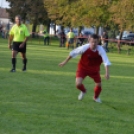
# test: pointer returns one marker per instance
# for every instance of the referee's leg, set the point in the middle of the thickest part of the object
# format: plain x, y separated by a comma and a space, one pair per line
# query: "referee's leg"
24, 60
14, 54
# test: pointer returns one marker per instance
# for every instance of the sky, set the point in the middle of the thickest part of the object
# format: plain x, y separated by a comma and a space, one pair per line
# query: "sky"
4, 3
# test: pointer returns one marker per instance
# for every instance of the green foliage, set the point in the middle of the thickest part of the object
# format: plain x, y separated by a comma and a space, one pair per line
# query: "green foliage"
34, 12
122, 14
78, 9
73, 13
106, 13
78, 13
17, 7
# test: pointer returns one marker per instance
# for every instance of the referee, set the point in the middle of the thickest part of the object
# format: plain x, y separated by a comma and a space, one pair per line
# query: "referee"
18, 37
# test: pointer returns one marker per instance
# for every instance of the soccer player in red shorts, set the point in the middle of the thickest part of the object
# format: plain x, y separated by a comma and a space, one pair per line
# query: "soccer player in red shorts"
92, 55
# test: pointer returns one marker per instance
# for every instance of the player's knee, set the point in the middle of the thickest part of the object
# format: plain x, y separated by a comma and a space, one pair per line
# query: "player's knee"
23, 56
98, 84
14, 55
78, 84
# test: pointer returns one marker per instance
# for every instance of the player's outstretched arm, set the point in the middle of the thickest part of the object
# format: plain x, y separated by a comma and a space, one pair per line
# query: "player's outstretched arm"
107, 76
65, 61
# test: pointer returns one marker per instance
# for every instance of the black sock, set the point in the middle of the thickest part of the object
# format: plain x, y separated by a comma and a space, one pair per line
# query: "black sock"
24, 62
14, 63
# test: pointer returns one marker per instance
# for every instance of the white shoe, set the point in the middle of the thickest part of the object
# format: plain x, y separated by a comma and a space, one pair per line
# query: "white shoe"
97, 100
81, 96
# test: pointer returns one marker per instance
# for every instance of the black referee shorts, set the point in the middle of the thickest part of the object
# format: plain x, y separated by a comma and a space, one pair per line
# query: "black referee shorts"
15, 47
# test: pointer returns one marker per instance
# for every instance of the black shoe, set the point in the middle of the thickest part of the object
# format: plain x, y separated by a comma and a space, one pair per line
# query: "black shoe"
12, 70
24, 69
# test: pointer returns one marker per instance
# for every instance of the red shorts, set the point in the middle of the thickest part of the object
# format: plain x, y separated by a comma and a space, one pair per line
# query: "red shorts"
83, 73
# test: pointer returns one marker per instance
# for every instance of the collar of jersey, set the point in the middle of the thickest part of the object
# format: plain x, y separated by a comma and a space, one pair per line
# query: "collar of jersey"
93, 50
19, 25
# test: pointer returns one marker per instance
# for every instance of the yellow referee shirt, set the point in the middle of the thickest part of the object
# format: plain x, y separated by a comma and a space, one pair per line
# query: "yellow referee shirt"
46, 34
71, 35
19, 33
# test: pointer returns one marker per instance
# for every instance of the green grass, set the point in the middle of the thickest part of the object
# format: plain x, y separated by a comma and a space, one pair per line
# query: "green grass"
43, 100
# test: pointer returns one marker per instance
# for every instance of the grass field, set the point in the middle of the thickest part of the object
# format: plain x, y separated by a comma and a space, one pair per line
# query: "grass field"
43, 100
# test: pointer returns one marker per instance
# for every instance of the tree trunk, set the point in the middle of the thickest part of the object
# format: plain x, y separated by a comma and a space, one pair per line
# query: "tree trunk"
102, 30
62, 28
114, 34
34, 30
119, 42
97, 30
48, 25
55, 29
80, 29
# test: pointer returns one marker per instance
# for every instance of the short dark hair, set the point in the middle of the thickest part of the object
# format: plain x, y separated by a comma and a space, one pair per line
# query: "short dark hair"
94, 36
18, 16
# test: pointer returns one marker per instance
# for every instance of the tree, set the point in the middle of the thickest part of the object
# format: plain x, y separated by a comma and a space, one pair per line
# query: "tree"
37, 13
34, 12
78, 12
58, 10
105, 13
17, 7
93, 14
122, 14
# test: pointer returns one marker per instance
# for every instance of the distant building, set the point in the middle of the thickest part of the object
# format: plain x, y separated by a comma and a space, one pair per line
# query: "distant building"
5, 23
4, 16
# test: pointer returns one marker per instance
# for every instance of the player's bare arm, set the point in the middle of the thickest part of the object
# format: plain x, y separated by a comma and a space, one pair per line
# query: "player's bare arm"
10, 41
107, 72
65, 61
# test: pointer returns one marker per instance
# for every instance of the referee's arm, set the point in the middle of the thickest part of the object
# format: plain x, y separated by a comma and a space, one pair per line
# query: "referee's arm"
23, 43
10, 39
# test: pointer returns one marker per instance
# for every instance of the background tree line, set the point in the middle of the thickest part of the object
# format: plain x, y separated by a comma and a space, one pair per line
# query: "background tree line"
109, 14
32, 11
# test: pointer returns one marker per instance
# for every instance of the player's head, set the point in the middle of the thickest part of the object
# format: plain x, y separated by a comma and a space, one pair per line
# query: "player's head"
80, 34
71, 29
104, 32
18, 19
94, 41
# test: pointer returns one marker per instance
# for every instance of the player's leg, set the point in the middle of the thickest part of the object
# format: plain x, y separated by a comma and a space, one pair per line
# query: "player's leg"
64, 42
80, 75
77, 44
44, 41
68, 45
97, 91
23, 56
15, 50
81, 87
48, 39
79, 84
72, 43
60, 42
107, 50
14, 54
24, 60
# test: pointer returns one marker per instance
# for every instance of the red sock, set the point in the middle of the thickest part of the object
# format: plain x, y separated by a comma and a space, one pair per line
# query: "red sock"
97, 91
82, 88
